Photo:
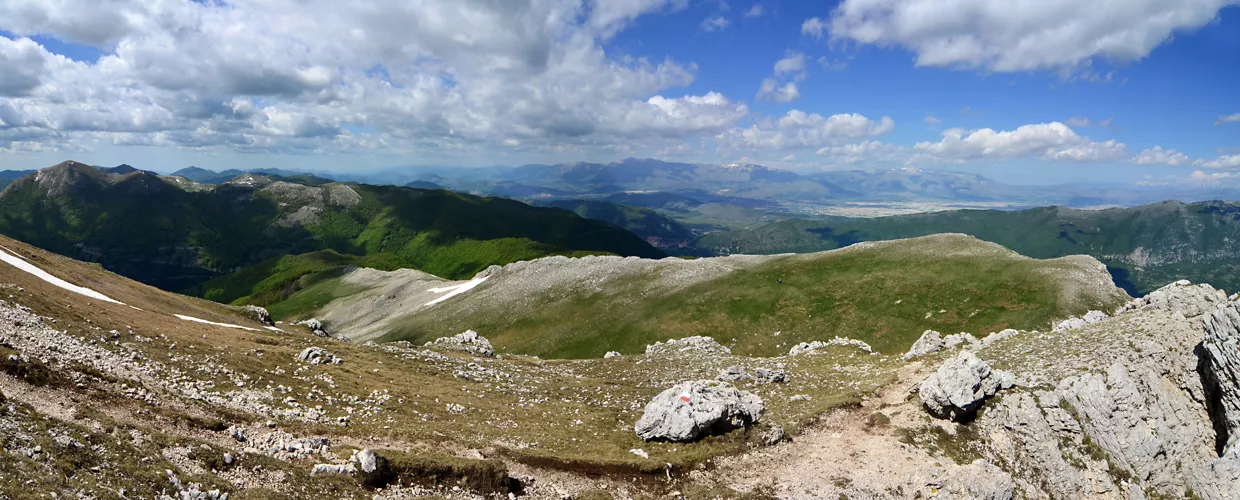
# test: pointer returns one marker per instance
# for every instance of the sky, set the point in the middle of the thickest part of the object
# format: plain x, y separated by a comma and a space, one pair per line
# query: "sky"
1025, 91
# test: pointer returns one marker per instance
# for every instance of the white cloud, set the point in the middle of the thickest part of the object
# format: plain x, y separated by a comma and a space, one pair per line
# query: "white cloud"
931, 120
471, 76
755, 11
1159, 156
814, 27
771, 90
1229, 161
800, 130
714, 23
1047, 141
1232, 118
1077, 121
793, 62
1003, 36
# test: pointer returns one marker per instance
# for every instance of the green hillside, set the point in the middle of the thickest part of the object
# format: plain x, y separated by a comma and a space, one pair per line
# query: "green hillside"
886, 294
648, 224
143, 227
1145, 247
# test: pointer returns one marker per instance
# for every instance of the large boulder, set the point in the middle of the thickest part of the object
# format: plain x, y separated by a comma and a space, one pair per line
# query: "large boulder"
469, 342
318, 356
929, 342
960, 387
315, 326
687, 345
691, 410
259, 314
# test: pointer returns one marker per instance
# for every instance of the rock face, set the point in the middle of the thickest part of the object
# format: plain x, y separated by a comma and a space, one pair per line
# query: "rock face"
691, 410
469, 342
979, 480
1221, 373
687, 345
318, 356
959, 387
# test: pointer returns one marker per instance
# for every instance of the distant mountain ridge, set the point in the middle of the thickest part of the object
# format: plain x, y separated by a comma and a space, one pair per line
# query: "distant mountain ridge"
1145, 246
149, 228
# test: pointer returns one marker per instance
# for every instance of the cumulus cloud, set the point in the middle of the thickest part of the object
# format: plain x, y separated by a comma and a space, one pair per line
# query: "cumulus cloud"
1005, 37
1232, 118
1159, 156
865, 152
714, 23
771, 90
1047, 141
800, 130
1227, 161
793, 62
459, 75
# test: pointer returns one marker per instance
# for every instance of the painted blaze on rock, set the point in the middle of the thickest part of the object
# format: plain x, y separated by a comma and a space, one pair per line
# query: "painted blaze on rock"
691, 410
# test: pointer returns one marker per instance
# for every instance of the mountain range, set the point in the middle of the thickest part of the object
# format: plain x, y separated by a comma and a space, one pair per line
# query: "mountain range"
175, 233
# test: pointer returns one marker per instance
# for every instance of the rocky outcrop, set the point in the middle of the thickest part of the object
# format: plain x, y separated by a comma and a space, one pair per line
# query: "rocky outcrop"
1073, 323
733, 373
1220, 372
687, 345
960, 387
318, 356
315, 326
611, 354
469, 342
810, 347
259, 314
769, 376
1181, 297
692, 410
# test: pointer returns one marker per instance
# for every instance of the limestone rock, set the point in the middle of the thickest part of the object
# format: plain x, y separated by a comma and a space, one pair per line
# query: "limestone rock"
332, 469
979, 480
366, 460
611, 354
732, 374
960, 387
469, 342
958, 339
687, 345
691, 410
769, 376
1183, 297
315, 326
929, 342
259, 314
810, 347
318, 356
774, 436
1221, 373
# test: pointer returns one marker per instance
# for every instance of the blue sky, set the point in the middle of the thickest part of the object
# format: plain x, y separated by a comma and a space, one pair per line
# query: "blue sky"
1033, 92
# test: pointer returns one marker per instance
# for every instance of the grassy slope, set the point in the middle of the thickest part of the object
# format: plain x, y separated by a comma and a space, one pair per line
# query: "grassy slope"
1196, 241
572, 414
151, 231
886, 295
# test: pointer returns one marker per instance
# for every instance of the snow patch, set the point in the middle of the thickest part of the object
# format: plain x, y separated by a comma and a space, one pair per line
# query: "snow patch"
20, 263
203, 321
453, 291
